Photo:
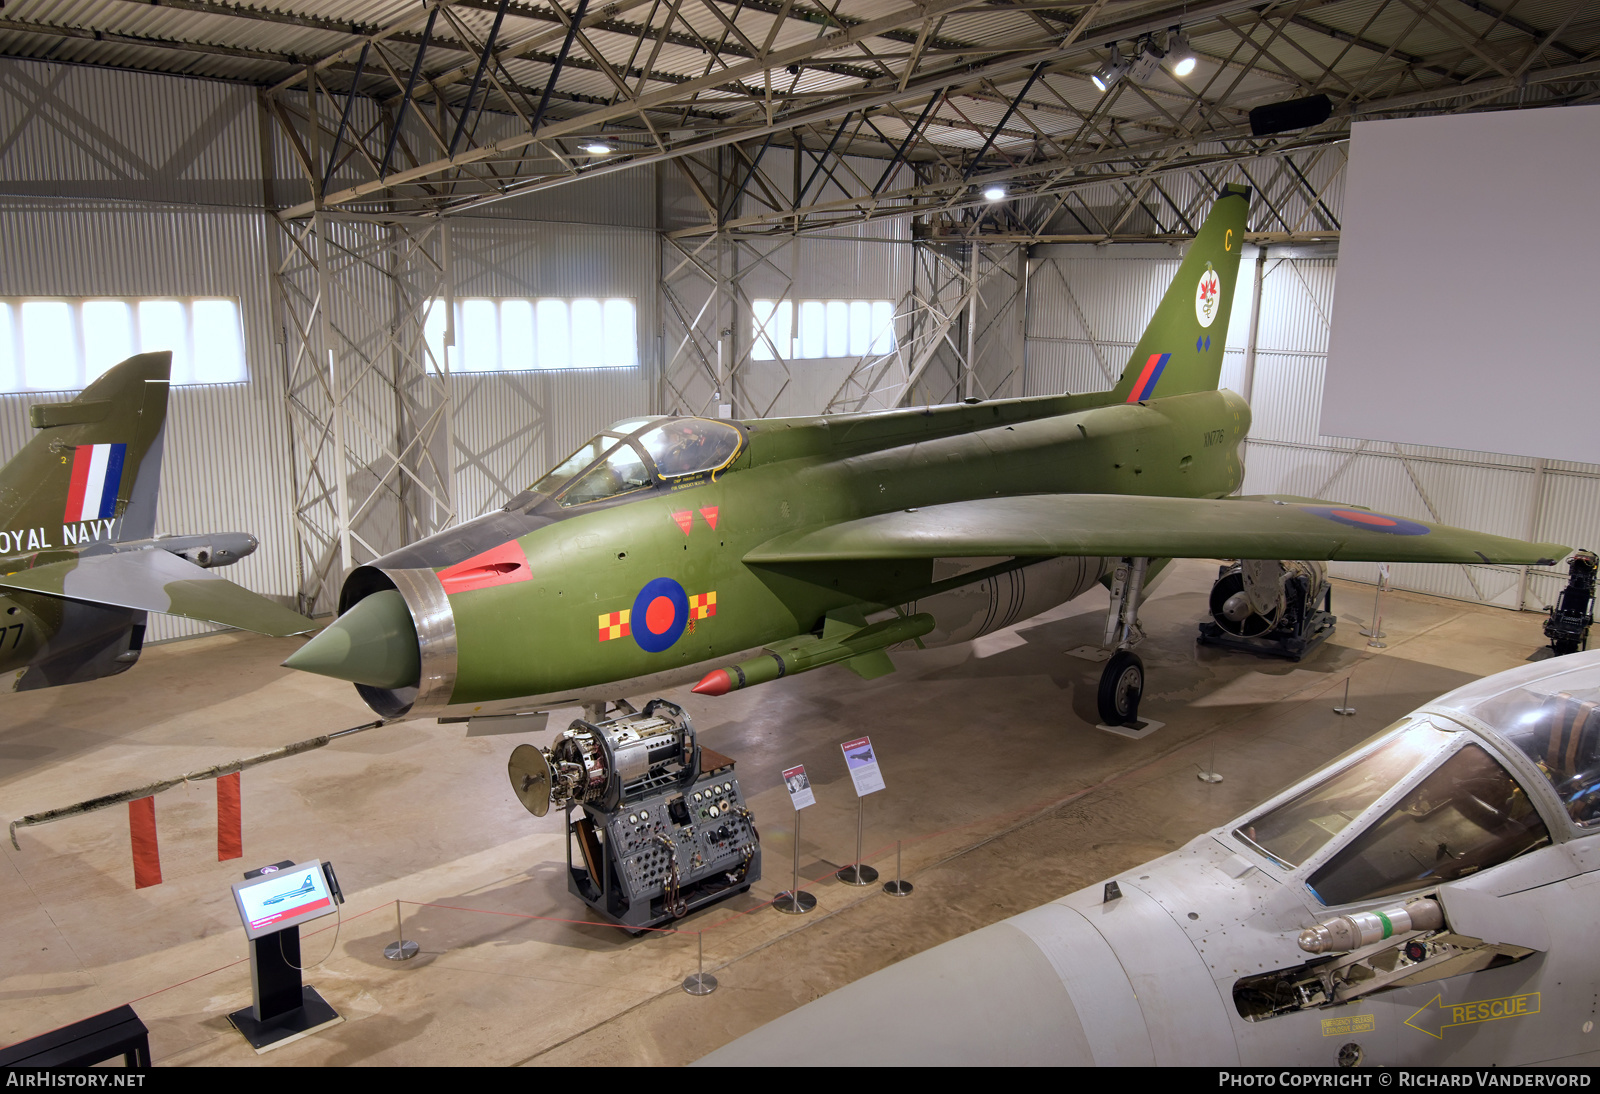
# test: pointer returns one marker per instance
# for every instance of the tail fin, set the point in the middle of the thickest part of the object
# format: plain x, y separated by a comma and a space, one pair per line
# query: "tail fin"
93, 471
1181, 350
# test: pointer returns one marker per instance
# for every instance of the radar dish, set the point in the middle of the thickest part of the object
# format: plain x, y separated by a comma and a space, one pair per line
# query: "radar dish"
529, 771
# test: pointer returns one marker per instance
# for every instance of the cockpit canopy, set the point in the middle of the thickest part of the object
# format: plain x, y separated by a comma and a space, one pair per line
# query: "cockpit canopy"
1430, 802
636, 454
1551, 712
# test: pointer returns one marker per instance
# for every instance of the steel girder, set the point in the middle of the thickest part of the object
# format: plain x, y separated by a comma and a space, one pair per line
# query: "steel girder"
369, 407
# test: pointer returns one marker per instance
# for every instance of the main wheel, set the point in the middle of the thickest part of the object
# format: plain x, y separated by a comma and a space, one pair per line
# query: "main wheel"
1121, 687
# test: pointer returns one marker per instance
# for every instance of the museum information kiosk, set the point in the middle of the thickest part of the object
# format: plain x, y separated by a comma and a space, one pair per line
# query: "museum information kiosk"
273, 902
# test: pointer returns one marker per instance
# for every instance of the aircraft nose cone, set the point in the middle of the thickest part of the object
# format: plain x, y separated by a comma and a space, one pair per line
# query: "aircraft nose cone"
374, 643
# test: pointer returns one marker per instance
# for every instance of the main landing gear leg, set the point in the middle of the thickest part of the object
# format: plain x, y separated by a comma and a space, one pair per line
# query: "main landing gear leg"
1122, 682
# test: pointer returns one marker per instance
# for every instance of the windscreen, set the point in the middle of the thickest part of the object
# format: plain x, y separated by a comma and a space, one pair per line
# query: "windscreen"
1297, 829
621, 472
1467, 815
688, 446
568, 469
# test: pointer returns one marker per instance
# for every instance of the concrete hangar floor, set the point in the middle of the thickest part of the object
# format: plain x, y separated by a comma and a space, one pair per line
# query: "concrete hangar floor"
1002, 792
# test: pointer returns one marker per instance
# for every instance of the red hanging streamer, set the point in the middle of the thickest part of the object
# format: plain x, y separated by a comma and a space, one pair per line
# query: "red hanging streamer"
230, 821
146, 855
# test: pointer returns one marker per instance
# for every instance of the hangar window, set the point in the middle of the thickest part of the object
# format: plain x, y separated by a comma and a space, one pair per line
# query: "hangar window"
63, 343
825, 328
523, 334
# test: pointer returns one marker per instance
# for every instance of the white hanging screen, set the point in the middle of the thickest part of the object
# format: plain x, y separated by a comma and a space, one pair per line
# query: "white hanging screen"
1468, 260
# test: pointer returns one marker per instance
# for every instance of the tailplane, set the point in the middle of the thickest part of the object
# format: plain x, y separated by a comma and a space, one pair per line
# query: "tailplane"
93, 471
1181, 350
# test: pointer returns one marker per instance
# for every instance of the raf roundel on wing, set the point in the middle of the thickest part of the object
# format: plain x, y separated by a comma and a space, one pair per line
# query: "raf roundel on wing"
1371, 522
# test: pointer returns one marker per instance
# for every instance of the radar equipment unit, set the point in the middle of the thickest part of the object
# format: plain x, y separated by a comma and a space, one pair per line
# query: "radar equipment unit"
664, 828
1282, 609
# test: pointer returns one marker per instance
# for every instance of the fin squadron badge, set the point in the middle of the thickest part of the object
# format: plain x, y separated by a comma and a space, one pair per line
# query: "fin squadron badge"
1207, 297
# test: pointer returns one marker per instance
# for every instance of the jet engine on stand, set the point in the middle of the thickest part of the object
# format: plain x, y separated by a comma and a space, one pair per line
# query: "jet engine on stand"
1283, 609
664, 829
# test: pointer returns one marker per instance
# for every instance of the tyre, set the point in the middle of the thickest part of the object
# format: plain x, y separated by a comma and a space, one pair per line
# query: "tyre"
1121, 687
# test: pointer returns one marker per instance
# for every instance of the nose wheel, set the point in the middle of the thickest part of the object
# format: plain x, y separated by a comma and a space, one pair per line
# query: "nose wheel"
1121, 688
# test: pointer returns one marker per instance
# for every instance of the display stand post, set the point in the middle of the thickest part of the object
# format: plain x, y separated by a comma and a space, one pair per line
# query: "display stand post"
402, 948
796, 901
862, 763
856, 873
897, 887
1375, 633
283, 1009
1345, 710
700, 982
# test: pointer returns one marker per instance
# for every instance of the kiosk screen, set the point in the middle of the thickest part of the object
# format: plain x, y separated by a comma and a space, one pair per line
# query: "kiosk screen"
282, 899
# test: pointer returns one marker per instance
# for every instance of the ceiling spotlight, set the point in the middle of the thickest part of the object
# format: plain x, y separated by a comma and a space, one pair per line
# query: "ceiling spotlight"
994, 193
1112, 71
597, 148
1179, 54
1146, 62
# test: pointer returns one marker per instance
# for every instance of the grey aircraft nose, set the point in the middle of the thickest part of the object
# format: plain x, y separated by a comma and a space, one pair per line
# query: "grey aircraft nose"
374, 643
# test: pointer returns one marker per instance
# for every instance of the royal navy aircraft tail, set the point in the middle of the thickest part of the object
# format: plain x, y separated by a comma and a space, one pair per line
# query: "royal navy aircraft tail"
81, 563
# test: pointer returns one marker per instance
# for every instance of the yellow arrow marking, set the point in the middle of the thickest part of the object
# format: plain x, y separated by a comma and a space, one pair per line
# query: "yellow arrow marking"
1482, 1010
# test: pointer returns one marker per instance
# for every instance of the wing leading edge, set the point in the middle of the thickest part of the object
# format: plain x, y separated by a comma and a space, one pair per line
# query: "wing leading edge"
154, 580
1116, 525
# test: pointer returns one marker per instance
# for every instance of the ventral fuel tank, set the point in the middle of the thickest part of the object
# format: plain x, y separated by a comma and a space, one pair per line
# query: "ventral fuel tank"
996, 602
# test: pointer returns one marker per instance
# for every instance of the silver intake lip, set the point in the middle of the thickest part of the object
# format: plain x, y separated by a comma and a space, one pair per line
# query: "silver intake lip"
436, 636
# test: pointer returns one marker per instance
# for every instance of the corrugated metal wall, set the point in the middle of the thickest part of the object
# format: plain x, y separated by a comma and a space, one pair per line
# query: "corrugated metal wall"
1088, 305
84, 210
127, 184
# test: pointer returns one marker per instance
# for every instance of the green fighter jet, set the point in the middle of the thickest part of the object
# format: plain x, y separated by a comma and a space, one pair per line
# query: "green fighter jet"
673, 549
80, 561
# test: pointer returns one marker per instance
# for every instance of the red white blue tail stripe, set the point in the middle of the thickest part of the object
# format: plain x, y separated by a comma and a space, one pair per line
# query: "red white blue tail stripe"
96, 476
1146, 383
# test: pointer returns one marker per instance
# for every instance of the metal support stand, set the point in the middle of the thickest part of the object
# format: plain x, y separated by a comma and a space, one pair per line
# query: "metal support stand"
402, 948
1375, 631
1346, 709
897, 887
283, 1010
795, 901
701, 982
856, 873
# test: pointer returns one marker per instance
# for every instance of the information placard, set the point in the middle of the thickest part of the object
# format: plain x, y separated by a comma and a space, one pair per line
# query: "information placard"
284, 898
799, 787
863, 765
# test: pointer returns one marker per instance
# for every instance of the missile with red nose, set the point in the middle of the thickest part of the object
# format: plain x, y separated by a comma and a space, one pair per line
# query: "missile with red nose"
860, 649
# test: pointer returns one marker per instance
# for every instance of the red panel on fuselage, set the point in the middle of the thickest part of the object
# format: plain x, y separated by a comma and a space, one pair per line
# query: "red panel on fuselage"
502, 565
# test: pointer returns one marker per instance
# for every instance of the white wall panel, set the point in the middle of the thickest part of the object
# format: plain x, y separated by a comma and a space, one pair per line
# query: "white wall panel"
76, 131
